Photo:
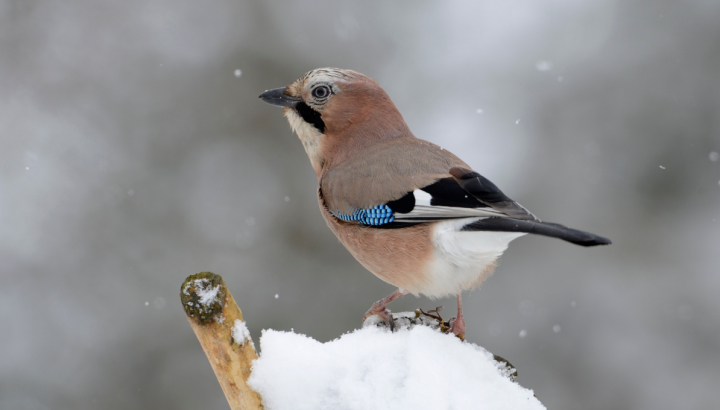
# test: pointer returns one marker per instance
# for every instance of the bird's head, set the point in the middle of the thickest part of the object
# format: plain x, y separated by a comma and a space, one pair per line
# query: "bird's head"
337, 112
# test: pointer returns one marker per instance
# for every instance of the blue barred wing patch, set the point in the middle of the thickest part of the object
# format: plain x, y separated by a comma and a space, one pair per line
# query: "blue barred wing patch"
375, 216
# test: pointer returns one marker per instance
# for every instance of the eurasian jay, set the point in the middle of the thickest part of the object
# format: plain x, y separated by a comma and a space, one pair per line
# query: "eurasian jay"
412, 213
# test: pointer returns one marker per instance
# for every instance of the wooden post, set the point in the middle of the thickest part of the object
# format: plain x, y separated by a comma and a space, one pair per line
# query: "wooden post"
218, 324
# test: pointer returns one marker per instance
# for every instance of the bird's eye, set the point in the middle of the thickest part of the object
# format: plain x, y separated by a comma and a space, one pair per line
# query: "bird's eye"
321, 92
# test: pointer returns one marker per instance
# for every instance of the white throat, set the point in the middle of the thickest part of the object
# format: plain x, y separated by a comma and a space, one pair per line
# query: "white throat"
310, 137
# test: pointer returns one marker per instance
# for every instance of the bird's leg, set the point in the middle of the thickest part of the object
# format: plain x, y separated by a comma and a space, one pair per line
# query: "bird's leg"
458, 326
380, 308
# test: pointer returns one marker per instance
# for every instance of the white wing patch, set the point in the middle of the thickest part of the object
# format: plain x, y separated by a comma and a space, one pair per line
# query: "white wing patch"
422, 198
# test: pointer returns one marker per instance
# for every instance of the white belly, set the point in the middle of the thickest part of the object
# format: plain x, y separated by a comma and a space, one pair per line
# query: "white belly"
462, 259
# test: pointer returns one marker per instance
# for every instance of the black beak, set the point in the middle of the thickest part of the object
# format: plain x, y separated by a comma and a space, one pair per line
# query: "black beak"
278, 98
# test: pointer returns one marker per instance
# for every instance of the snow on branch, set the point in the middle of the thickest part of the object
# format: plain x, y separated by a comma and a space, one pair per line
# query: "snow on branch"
415, 367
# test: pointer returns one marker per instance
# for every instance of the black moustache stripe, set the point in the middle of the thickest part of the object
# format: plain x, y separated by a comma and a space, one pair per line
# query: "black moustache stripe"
310, 116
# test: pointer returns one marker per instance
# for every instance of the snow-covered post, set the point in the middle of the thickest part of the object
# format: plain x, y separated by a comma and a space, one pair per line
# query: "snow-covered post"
218, 324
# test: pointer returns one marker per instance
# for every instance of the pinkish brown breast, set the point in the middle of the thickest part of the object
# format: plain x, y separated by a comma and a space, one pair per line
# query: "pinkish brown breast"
397, 256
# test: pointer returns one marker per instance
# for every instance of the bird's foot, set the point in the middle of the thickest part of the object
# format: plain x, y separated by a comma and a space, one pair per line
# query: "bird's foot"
379, 308
380, 312
458, 327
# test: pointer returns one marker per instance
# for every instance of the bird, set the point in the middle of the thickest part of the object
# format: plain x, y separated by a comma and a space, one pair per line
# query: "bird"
411, 212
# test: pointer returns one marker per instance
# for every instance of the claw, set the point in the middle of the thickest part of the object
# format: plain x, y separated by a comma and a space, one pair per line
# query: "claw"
379, 308
384, 315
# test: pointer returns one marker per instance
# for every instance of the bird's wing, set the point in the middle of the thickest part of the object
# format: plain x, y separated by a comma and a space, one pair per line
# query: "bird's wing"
429, 184
413, 181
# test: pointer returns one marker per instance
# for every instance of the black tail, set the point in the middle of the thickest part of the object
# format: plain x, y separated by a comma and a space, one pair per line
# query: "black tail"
538, 228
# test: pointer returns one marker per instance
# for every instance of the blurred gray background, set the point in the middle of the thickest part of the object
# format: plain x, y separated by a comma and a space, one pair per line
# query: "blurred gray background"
132, 154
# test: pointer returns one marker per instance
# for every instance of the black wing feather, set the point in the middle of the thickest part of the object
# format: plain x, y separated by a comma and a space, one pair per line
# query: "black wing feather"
403, 205
553, 230
485, 191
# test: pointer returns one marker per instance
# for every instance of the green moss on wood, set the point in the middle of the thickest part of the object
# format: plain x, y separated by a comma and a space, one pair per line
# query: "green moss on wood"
203, 296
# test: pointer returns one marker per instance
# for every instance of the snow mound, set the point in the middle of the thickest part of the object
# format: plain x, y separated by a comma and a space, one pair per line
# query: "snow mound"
373, 368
